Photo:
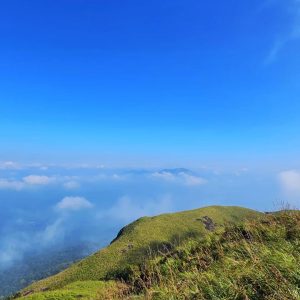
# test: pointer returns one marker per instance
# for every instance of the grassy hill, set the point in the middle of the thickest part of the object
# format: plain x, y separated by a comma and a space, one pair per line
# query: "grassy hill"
208, 253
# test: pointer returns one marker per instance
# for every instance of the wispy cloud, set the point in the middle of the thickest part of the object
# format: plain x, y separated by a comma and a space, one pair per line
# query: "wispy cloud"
126, 209
290, 181
53, 232
12, 249
290, 185
292, 7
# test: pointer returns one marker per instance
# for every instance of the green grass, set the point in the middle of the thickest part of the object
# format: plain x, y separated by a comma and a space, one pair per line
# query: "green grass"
148, 235
255, 260
84, 290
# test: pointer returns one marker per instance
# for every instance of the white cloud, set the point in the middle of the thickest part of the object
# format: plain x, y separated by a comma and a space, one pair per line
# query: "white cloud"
73, 204
181, 178
71, 185
109, 177
9, 165
164, 175
192, 180
11, 184
14, 184
12, 165
38, 180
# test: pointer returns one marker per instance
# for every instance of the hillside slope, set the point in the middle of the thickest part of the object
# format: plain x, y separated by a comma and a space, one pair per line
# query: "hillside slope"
134, 241
40, 264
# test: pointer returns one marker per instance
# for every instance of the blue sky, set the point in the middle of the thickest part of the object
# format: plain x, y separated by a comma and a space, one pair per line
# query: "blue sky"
143, 83
98, 97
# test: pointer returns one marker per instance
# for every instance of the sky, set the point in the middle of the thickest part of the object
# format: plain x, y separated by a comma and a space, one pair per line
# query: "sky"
112, 110
150, 83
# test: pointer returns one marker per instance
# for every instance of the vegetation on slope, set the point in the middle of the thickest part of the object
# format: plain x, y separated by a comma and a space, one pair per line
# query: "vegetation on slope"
134, 242
256, 259
86, 290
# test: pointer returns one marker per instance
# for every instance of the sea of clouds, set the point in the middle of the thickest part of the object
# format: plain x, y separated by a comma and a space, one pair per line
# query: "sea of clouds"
46, 206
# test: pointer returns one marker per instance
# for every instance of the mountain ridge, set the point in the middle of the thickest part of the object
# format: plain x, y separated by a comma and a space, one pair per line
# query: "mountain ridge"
131, 245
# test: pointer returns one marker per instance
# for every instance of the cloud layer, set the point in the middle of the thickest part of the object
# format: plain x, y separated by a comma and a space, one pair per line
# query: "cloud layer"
73, 204
45, 211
